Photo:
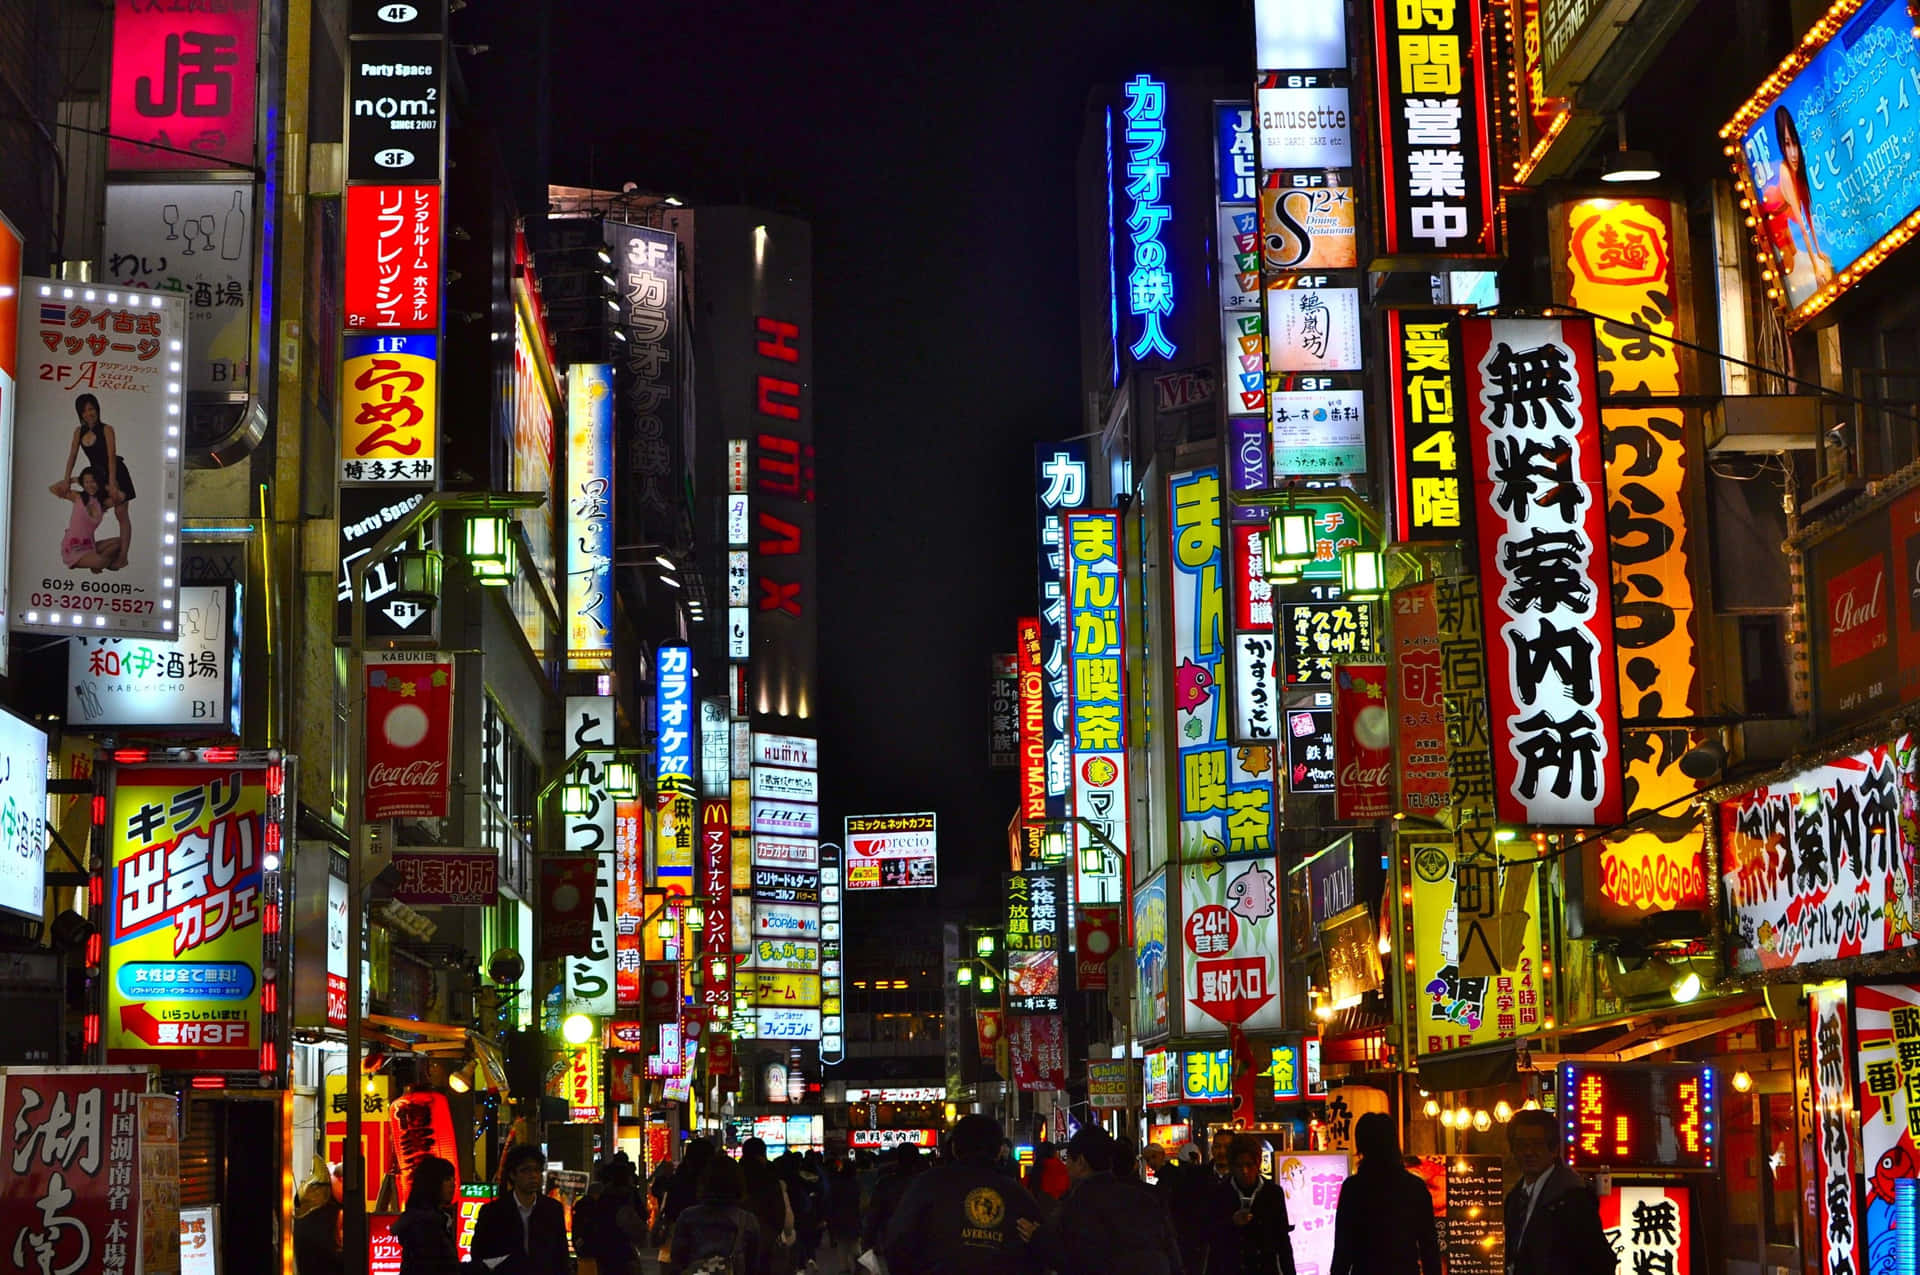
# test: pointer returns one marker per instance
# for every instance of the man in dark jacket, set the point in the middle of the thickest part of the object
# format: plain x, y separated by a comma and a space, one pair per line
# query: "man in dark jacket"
1256, 1239
1105, 1226
525, 1228
888, 1190
1553, 1217
962, 1217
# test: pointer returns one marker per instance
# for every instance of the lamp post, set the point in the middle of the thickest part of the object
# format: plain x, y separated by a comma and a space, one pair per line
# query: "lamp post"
497, 551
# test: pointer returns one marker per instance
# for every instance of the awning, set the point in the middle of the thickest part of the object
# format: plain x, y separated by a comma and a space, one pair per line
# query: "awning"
443, 1041
1471, 1068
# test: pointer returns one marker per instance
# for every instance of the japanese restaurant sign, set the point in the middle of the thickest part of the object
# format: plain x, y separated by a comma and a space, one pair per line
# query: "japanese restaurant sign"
1436, 144
1816, 867
1314, 636
184, 78
74, 1198
1036, 938
1097, 717
389, 408
1540, 509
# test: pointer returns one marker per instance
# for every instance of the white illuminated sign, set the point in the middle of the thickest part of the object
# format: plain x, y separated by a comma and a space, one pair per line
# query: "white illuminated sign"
161, 685
1305, 128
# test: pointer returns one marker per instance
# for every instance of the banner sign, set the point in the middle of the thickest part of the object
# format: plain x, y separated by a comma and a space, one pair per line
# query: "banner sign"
892, 851
74, 1193
1230, 946
1036, 938
101, 382
1033, 743
1096, 936
1062, 485
589, 725
182, 94
393, 265
1477, 975
1421, 779
1436, 140
1037, 1047
1650, 1228
1886, 1019
1097, 726
447, 878
590, 516
186, 895
1816, 867
409, 734
1362, 742
1836, 1152
1424, 371
1540, 509
1150, 957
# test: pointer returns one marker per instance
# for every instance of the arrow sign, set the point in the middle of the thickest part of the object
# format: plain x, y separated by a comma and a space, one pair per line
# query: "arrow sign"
404, 614
138, 1021
1231, 990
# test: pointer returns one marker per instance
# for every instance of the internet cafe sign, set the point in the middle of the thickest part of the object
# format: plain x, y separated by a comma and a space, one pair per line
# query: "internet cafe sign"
1863, 589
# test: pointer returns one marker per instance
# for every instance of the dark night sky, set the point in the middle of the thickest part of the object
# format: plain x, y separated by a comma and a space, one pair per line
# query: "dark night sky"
932, 149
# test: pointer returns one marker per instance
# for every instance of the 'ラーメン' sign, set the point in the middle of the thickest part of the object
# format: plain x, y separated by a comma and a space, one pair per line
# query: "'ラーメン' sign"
1814, 868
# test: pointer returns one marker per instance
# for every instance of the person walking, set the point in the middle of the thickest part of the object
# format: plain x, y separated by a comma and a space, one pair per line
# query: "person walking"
683, 1190
764, 1194
523, 1232
843, 1209
1257, 1238
612, 1232
425, 1227
1384, 1222
714, 1235
1048, 1180
962, 1216
888, 1190
1105, 1226
1553, 1217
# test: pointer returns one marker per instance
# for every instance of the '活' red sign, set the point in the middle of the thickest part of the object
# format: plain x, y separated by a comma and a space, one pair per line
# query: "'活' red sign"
409, 735
393, 258
183, 80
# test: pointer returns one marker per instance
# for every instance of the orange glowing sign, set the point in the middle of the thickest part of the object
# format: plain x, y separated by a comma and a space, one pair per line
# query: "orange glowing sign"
1625, 1117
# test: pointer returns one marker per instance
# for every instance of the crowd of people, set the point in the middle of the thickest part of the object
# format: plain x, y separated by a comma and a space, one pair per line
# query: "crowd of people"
1088, 1207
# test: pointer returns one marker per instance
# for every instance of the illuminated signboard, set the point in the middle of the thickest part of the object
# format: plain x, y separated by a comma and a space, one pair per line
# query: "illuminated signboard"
1429, 400
1097, 716
1318, 432
1649, 1227
594, 833
673, 717
1229, 946
1157, 1070
1825, 154
1436, 160
892, 852
1314, 636
23, 817
183, 85
1299, 34
393, 258
190, 683
389, 408
1477, 978
394, 106
1150, 279
886, 1138
1312, 327
1307, 221
1624, 1117
1540, 513
1036, 936
1206, 1075
589, 514
1886, 1020
1304, 122
1062, 483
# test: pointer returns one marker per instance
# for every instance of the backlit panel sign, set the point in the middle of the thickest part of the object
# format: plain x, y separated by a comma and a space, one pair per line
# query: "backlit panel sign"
1036, 935
1814, 868
1312, 327
1478, 975
1651, 1116
1436, 152
1149, 279
194, 238
23, 817
786, 750
1063, 482
394, 109
1097, 678
182, 93
1886, 1019
1033, 744
1826, 150
1236, 169
786, 818
389, 408
673, 716
589, 515
1307, 221
1318, 432
589, 724
892, 852
1424, 372
190, 683
1540, 513
1229, 946
790, 785
393, 258
1305, 121
1314, 636
1299, 34
786, 921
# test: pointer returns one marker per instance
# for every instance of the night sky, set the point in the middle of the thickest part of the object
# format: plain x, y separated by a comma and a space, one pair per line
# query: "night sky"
932, 149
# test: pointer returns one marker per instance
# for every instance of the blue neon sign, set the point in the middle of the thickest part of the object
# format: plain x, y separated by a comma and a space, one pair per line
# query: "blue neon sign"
1150, 282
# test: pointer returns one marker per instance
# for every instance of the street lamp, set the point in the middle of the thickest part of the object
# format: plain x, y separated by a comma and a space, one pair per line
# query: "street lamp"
575, 800
490, 550
623, 780
491, 508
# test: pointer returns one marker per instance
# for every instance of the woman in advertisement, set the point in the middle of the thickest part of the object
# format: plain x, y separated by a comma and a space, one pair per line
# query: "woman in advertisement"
79, 547
1797, 197
97, 440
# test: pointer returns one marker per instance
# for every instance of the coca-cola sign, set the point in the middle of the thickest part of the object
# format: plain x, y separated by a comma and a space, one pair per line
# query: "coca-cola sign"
409, 734
1362, 743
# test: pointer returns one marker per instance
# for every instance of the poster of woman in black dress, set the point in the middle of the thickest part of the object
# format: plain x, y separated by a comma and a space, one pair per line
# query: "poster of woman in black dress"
96, 439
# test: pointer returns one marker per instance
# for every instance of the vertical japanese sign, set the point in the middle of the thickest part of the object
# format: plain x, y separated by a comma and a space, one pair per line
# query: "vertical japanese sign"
393, 274
673, 724
1036, 938
409, 735
1650, 1228
832, 1020
372, 1094
1150, 957
716, 886
1421, 779
73, 1200
648, 375
1477, 975
1097, 680
1150, 283
1229, 946
1033, 741
157, 1117
1886, 1019
389, 408
10, 283
1003, 712
1540, 509
1362, 742
104, 392
589, 516
182, 94
1463, 692
1429, 403
593, 831
1256, 656
185, 901
1437, 148
1063, 485
1836, 1151
1237, 208
629, 901
1037, 1050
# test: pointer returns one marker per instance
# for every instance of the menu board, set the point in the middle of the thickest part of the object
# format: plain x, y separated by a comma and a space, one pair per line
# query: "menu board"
1476, 1216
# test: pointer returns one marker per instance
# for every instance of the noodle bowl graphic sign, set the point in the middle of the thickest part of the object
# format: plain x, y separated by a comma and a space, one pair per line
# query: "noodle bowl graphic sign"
409, 735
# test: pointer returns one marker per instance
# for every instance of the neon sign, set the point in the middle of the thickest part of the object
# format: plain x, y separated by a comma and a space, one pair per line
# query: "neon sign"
1638, 1117
1150, 282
